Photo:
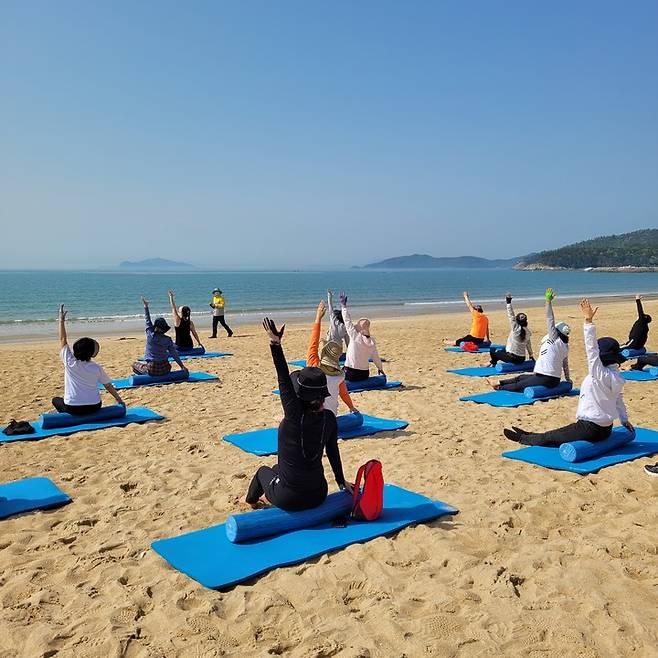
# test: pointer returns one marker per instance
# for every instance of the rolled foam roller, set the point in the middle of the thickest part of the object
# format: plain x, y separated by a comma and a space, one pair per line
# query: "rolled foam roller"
195, 351
173, 376
631, 354
653, 371
578, 451
52, 421
275, 521
377, 381
349, 422
501, 366
535, 392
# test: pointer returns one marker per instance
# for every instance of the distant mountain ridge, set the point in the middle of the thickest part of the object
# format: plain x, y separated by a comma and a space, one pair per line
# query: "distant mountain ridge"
426, 262
155, 264
638, 249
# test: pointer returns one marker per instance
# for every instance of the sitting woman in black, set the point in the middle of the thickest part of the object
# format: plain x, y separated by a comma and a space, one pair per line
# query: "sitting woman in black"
183, 325
297, 482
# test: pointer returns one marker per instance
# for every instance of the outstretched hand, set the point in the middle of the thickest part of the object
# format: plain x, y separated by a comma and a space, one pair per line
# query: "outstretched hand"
62, 312
588, 311
638, 297
550, 295
508, 297
343, 299
321, 310
629, 426
171, 294
145, 302
275, 334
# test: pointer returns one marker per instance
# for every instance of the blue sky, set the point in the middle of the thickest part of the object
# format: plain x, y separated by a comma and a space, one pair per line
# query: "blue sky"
263, 134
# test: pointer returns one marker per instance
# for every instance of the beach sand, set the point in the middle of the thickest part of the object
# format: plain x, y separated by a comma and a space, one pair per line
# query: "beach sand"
538, 563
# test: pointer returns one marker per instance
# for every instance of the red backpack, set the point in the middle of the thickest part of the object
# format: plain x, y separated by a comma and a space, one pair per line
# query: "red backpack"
367, 503
469, 347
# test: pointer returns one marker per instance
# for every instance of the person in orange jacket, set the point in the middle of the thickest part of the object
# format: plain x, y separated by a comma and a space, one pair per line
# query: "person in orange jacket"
327, 360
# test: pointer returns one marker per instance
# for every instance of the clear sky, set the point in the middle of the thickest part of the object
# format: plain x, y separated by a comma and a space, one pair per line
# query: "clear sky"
257, 134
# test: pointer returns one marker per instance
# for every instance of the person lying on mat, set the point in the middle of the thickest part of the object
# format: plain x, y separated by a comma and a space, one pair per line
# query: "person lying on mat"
362, 347
518, 341
307, 430
601, 394
644, 360
337, 331
553, 356
159, 347
183, 326
479, 326
637, 337
328, 360
81, 375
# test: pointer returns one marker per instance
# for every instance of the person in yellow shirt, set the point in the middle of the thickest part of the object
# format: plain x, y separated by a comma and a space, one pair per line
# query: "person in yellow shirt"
479, 332
217, 306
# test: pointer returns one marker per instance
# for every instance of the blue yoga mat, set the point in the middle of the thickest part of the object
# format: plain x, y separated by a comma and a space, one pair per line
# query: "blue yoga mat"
211, 559
133, 415
264, 441
639, 376
121, 384
30, 494
511, 399
644, 444
500, 369
206, 355
481, 350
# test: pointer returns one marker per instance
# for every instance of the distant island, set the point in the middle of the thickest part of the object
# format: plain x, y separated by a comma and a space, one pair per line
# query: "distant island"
425, 262
628, 252
155, 264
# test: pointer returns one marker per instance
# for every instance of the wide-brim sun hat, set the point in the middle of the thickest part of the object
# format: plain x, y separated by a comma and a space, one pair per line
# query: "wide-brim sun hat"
610, 351
310, 384
161, 324
330, 358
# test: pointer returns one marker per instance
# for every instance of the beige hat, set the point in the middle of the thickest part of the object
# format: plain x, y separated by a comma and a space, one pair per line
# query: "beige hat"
330, 358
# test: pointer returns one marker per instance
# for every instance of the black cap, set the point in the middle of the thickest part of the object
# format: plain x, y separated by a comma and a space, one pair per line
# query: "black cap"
610, 351
161, 325
310, 384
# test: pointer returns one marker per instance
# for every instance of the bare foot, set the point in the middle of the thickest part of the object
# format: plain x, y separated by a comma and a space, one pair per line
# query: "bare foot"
495, 387
255, 505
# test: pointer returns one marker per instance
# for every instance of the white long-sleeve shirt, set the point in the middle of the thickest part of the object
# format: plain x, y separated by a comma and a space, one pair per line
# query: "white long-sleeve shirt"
601, 400
361, 348
553, 351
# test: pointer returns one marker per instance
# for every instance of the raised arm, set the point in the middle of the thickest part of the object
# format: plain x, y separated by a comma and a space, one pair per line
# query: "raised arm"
467, 299
594, 365
312, 355
640, 310
349, 326
62, 326
147, 317
550, 316
174, 308
510, 311
289, 401
330, 301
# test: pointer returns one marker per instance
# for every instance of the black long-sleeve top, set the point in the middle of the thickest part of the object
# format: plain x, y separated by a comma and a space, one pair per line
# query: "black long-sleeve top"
303, 436
639, 332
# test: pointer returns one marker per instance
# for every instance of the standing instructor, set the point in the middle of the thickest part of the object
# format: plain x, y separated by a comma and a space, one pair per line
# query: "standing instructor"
217, 306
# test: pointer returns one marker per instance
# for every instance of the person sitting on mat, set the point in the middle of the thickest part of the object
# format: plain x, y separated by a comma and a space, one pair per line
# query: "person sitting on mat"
158, 348
362, 347
479, 326
601, 394
337, 331
183, 326
553, 356
328, 360
644, 360
81, 375
217, 305
307, 430
518, 341
637, 337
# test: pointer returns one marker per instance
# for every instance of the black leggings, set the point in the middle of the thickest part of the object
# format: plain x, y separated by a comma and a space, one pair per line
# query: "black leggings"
504, 355
219, 319
75, 409
650, 360
267, 482
356, 375
517, 384
469, 339
581, 430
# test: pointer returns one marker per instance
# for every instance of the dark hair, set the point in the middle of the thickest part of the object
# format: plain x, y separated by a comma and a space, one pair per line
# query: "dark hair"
84, 348
565, 339
185, 312
479, 309
312, 405
339, 316
522, 321
647, 318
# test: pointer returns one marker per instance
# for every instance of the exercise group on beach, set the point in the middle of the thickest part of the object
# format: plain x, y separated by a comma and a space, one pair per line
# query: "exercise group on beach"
310, 396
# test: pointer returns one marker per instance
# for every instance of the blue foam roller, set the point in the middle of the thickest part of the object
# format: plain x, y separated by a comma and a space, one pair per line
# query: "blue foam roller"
376, 381
633, 354
349, 422
653, 371
195, 351
578, 451
51, 421
173, 376
501, 366
275, 521
534, 392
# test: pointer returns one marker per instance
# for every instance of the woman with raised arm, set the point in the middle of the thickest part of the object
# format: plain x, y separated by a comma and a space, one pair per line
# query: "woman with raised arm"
553, 356
337, 332
362, 347
183, 326
307, 430
81, 375
518, 341
479, 332
637, 337
601, 394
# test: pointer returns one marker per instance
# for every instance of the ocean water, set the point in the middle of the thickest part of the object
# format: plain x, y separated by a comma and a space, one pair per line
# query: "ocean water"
30, 299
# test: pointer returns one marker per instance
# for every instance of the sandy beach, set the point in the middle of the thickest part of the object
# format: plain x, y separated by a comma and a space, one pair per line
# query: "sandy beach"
538, 563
